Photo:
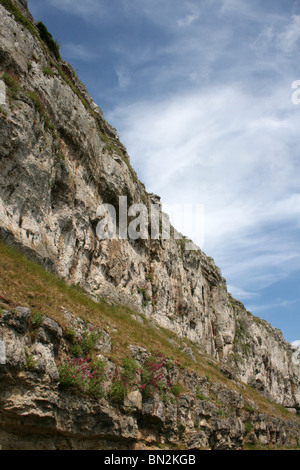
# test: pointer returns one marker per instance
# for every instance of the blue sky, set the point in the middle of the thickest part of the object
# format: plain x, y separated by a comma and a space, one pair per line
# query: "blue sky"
201, 95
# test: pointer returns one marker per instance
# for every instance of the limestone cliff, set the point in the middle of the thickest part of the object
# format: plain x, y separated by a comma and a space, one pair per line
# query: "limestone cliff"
59, 160
39, 411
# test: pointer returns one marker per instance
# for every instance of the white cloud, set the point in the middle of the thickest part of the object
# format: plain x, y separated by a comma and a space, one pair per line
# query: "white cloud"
86, 9
282, 35
287, 40
241, 294
187, 20
236, 155
123, 75
78, 52
282, 303
233, 7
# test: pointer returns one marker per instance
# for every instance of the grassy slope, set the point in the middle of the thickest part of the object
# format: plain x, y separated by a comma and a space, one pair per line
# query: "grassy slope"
25, 283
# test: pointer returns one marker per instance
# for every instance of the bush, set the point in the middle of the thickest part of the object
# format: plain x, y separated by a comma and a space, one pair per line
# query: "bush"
3, 112
53, 45
89, 341
38, 104
118, 391
130, 367
84, 376
71, 335
124, 382
151, 375
48, 71
77, 350
177, 389
12, 85
248, 427
30, 363
41, 109
37, 320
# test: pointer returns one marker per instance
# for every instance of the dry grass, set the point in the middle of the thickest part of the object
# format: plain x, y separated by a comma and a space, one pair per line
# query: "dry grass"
25, 283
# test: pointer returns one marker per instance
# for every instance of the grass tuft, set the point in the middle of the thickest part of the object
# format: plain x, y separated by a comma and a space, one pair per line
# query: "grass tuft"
12, 84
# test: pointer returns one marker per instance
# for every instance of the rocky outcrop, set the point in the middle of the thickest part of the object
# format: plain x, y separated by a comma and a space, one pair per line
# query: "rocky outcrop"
59, 161
42, 408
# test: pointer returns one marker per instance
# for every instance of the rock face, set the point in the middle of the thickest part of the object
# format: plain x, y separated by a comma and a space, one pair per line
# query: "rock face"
59, 160
40, 408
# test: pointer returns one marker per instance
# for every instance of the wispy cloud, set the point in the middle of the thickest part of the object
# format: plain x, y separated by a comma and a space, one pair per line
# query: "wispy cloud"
278, 303
241, 294
187, 20
289, 38
204, 148
79, 52
123, 75
87, 10
190, 17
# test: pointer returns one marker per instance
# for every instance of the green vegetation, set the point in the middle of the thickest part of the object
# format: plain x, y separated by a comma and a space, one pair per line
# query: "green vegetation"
37, 320
52, 45
130, 368
133, 173
117, 391
13, 90
124, 382
77, 350
40, 108
30, 362
19, 17
3, 112
177, 389
143, 289
89, 341
248, 427
12, 84
200, 395
258, 321
83, 376
69, 82
71, 335
151, 374
38, 104
241, 339
48, 71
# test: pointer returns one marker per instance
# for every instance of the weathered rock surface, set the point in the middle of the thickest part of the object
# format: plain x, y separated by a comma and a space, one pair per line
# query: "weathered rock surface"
59, 160
36, 412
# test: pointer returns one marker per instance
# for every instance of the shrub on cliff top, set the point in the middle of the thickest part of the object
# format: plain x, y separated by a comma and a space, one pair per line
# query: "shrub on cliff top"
46, 36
